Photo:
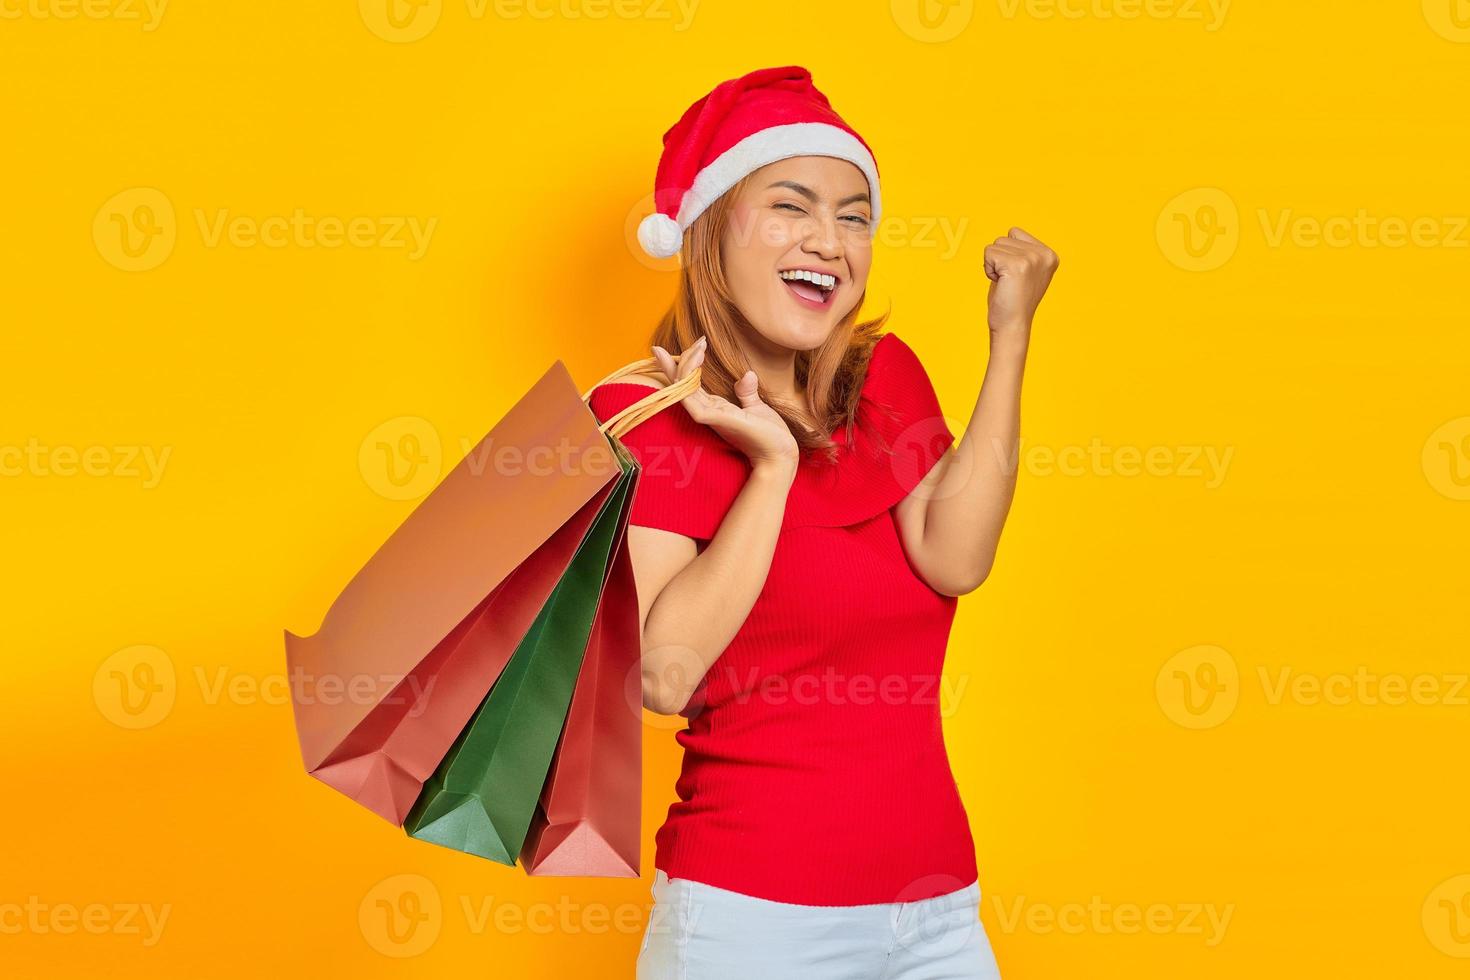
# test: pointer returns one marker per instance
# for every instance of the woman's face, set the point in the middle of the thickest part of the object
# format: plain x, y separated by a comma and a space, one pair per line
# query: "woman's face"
810, 214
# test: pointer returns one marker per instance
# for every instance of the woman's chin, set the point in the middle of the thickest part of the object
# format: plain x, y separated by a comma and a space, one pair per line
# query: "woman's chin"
798, 333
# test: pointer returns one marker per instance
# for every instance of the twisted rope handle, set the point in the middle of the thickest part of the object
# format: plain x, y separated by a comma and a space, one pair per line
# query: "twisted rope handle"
647, 407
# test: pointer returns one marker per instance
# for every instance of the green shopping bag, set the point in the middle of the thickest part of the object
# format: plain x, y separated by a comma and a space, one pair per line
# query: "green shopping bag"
482, 797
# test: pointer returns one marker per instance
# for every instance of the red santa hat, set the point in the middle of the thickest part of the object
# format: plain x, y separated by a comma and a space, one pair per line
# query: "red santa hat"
741, 126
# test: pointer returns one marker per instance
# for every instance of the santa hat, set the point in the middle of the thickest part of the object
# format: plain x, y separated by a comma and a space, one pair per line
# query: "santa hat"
741, 126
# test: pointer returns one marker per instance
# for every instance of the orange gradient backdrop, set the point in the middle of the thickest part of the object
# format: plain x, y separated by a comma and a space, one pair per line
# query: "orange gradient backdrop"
1208, 715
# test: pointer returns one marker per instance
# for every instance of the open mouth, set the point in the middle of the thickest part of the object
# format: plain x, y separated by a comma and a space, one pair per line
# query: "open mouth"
810, 287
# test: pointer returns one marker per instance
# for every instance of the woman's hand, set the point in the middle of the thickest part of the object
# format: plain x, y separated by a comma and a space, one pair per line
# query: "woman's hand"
1020, 269
752, 426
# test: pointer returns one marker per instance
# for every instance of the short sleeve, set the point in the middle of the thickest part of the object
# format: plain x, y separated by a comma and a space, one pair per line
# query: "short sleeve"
917, 435
900, 433
688, 476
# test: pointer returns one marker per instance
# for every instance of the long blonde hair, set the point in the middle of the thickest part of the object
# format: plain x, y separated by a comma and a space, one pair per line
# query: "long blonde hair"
832, 373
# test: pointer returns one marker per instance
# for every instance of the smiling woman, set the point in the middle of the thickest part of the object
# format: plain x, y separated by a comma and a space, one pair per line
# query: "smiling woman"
788, 248
796, 575
767, 220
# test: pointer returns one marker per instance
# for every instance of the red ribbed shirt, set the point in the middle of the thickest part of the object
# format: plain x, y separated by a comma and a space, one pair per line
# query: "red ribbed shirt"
814, 767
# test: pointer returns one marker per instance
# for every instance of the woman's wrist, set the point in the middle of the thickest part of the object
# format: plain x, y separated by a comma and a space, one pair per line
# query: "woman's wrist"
1010, 341
777, 471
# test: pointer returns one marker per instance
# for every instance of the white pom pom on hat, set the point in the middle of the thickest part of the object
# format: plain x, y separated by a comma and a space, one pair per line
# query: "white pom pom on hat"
742, 125
660, 235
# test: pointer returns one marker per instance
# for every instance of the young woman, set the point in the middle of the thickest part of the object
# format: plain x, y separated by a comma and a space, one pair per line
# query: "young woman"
799, 535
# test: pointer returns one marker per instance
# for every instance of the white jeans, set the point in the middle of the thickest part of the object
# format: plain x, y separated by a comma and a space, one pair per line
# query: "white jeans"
699, 932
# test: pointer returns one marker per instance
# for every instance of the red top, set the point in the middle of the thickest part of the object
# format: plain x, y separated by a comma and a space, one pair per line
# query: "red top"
814, 767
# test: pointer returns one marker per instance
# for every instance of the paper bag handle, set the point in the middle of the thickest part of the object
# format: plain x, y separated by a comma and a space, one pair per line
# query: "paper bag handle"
654, 402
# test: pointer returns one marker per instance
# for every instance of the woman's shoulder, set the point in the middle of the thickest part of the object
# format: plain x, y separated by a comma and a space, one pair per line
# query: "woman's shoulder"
900, 435
688, 475
644, 380
611, 397
893, 361
897, 382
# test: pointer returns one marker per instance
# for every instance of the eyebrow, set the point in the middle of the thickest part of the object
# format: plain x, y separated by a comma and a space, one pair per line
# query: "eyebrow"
807, 193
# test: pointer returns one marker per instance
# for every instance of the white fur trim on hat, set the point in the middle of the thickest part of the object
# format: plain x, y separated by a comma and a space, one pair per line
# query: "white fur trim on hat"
661, 236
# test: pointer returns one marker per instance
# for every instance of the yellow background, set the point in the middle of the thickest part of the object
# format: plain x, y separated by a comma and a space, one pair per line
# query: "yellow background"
1331, 547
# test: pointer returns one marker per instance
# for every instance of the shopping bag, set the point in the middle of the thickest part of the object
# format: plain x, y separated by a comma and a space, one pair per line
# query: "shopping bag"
372, 719
587, 822
384, 762
482, 797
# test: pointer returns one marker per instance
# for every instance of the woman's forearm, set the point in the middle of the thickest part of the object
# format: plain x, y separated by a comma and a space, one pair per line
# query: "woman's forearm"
961, 518
964, 519
700, 610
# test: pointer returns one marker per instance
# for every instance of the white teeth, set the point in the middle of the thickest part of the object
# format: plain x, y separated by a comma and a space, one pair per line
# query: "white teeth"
815, 278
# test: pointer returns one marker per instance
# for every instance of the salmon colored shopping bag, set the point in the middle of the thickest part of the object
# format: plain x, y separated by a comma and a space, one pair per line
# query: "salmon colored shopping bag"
409, 650
482, 797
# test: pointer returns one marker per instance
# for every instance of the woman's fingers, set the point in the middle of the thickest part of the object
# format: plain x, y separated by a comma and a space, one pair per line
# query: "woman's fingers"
701, 405
747, 390
665, 362
688, 360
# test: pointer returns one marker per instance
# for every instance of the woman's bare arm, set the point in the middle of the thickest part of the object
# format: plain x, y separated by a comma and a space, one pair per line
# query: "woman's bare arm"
690, 603
950, 524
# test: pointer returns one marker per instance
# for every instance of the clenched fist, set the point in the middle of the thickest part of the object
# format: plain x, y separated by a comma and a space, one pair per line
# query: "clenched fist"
1020, 268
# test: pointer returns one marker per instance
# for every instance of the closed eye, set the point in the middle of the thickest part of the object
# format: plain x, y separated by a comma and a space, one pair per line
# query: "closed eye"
855, 219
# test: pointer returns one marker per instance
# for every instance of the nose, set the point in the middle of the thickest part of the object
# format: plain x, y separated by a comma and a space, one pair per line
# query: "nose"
821, 237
